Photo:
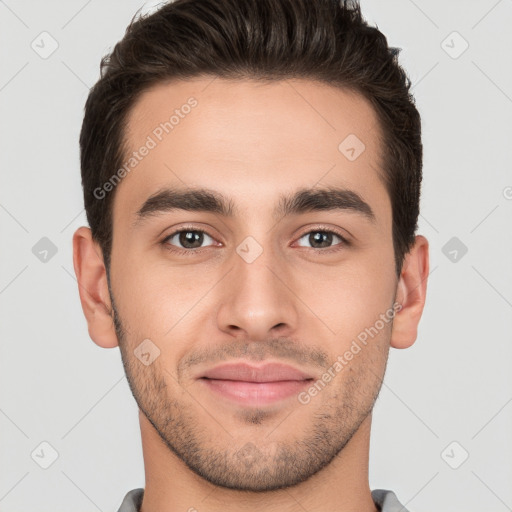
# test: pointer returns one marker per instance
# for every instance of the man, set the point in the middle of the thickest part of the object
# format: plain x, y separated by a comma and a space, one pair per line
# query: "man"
251, 174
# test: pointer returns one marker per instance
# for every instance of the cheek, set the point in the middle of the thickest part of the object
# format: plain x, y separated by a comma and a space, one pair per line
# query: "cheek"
158, 302
346, 299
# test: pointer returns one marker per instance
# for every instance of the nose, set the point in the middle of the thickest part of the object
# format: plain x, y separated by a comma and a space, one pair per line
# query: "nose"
258, 301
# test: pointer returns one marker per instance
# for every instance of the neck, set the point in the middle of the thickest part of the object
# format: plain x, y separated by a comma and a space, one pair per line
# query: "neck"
341, 486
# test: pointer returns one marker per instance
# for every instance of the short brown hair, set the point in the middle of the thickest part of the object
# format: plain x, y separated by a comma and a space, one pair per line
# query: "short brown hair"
322, 40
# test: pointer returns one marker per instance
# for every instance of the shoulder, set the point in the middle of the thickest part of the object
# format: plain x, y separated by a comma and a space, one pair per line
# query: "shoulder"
387, 501
132, 501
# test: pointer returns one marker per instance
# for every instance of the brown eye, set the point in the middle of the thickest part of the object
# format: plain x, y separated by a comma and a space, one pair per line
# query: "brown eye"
322, 239
187, 238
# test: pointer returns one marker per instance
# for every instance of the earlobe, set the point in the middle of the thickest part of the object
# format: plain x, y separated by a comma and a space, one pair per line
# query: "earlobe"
411, 294
93, 288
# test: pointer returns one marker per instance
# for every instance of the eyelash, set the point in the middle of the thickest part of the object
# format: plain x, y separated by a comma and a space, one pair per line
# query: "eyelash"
191, 252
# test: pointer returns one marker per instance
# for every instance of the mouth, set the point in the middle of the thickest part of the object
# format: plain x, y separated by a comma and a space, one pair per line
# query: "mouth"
251, 385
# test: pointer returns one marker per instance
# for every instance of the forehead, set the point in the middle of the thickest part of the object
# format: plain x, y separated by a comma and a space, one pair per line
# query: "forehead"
250, 140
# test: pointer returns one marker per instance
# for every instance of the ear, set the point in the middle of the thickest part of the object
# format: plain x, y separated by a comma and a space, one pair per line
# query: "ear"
93, 288
411, 292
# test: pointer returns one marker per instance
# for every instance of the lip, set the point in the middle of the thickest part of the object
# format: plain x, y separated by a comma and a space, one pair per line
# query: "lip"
268, 372
250, 385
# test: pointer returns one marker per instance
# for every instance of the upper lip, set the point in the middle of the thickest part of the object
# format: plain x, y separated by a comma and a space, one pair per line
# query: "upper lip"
268, 372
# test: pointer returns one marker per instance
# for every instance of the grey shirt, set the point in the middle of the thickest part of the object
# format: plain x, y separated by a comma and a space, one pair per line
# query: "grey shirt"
385, 500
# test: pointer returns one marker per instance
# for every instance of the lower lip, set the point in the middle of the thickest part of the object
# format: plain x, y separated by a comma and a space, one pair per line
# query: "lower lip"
256, 393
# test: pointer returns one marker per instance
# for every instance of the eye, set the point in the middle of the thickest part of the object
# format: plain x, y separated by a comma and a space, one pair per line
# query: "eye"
188, 239
322, 239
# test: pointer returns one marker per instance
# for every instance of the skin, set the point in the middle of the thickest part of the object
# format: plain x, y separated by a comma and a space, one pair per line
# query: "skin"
252, 142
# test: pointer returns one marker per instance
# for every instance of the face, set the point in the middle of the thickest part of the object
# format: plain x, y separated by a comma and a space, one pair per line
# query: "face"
250, 232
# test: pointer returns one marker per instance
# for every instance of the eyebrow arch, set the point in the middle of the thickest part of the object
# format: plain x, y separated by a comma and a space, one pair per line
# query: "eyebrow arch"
206, 200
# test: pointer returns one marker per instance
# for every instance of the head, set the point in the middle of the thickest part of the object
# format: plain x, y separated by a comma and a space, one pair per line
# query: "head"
280, 137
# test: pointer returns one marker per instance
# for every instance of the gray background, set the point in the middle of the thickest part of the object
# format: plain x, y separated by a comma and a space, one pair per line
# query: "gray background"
447, 396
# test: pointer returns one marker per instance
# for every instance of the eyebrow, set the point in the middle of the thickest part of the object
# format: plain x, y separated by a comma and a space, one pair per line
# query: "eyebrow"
302, 201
